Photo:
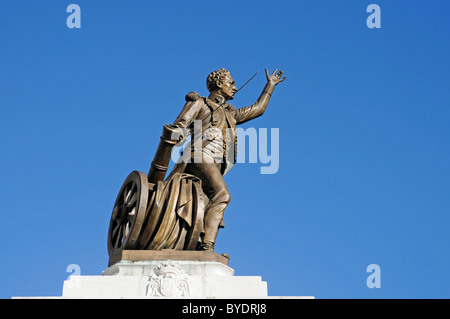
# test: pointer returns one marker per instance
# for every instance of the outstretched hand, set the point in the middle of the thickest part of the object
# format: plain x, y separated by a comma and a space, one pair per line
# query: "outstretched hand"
274, 78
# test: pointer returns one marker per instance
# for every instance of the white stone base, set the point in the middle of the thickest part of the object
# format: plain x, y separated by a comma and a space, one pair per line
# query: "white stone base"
166, 274
166, 279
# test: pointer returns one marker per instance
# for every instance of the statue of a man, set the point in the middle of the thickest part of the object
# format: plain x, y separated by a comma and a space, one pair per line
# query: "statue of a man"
214, 114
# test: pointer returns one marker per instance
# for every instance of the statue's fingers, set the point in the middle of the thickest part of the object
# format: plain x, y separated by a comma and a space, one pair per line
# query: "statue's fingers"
274, 72
267, 73
281, 80
280, 74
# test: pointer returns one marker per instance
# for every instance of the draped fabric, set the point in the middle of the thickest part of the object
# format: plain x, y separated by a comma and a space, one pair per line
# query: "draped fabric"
174, 217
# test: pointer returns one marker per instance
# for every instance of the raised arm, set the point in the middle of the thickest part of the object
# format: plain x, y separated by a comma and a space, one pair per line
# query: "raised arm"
259, 107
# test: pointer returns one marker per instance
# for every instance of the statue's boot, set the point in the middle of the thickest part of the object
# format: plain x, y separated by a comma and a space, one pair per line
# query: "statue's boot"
213, 219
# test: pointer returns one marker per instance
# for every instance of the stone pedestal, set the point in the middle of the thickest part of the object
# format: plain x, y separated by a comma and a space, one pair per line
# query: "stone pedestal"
166, 274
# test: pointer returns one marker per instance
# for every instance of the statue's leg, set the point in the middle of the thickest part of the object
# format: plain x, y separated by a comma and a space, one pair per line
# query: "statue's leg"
216, 190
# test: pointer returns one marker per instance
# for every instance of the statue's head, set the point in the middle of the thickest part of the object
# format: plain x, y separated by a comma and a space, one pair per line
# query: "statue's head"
221, 82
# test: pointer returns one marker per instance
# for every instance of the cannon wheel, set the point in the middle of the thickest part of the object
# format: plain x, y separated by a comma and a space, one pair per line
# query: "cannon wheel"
128, 213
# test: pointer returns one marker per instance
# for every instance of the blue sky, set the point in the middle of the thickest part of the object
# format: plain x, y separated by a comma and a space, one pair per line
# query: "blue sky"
364, 126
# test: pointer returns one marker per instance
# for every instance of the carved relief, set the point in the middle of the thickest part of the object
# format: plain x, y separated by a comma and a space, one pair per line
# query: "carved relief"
168, 279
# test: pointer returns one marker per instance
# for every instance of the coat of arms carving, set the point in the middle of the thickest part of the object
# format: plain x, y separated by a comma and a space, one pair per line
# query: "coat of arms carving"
168, 279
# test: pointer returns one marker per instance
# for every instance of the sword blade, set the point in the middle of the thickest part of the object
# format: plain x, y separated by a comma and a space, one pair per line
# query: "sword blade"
247, 82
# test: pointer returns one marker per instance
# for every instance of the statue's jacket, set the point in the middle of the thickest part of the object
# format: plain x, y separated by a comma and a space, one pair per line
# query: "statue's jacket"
216, 136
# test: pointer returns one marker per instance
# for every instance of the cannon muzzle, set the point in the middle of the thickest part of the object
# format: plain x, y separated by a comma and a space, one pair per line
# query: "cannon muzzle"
171, 135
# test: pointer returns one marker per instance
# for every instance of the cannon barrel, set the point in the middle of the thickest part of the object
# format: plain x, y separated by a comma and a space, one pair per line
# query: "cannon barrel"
170, 137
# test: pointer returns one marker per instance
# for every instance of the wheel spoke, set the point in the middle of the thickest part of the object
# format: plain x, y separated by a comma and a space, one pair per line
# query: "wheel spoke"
130, 189
125, 192
115, 229
118, 238
115, 212
127, 230
132, 200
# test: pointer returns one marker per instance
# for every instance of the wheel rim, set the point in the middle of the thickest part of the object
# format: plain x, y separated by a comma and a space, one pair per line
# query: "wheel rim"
128, 213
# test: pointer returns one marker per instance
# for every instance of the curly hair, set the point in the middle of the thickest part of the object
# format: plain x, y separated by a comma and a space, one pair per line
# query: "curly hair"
216, 78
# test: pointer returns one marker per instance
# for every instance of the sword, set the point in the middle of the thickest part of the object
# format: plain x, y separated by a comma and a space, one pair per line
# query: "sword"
247, 82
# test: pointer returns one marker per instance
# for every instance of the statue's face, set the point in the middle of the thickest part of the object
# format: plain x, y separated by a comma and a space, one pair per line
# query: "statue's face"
228, 88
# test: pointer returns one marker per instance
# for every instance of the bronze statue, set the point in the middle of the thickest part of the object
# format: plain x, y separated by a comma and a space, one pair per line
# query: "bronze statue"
186, 210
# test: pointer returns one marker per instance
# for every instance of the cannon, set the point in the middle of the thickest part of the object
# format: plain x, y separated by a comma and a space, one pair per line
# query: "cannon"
151, 213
